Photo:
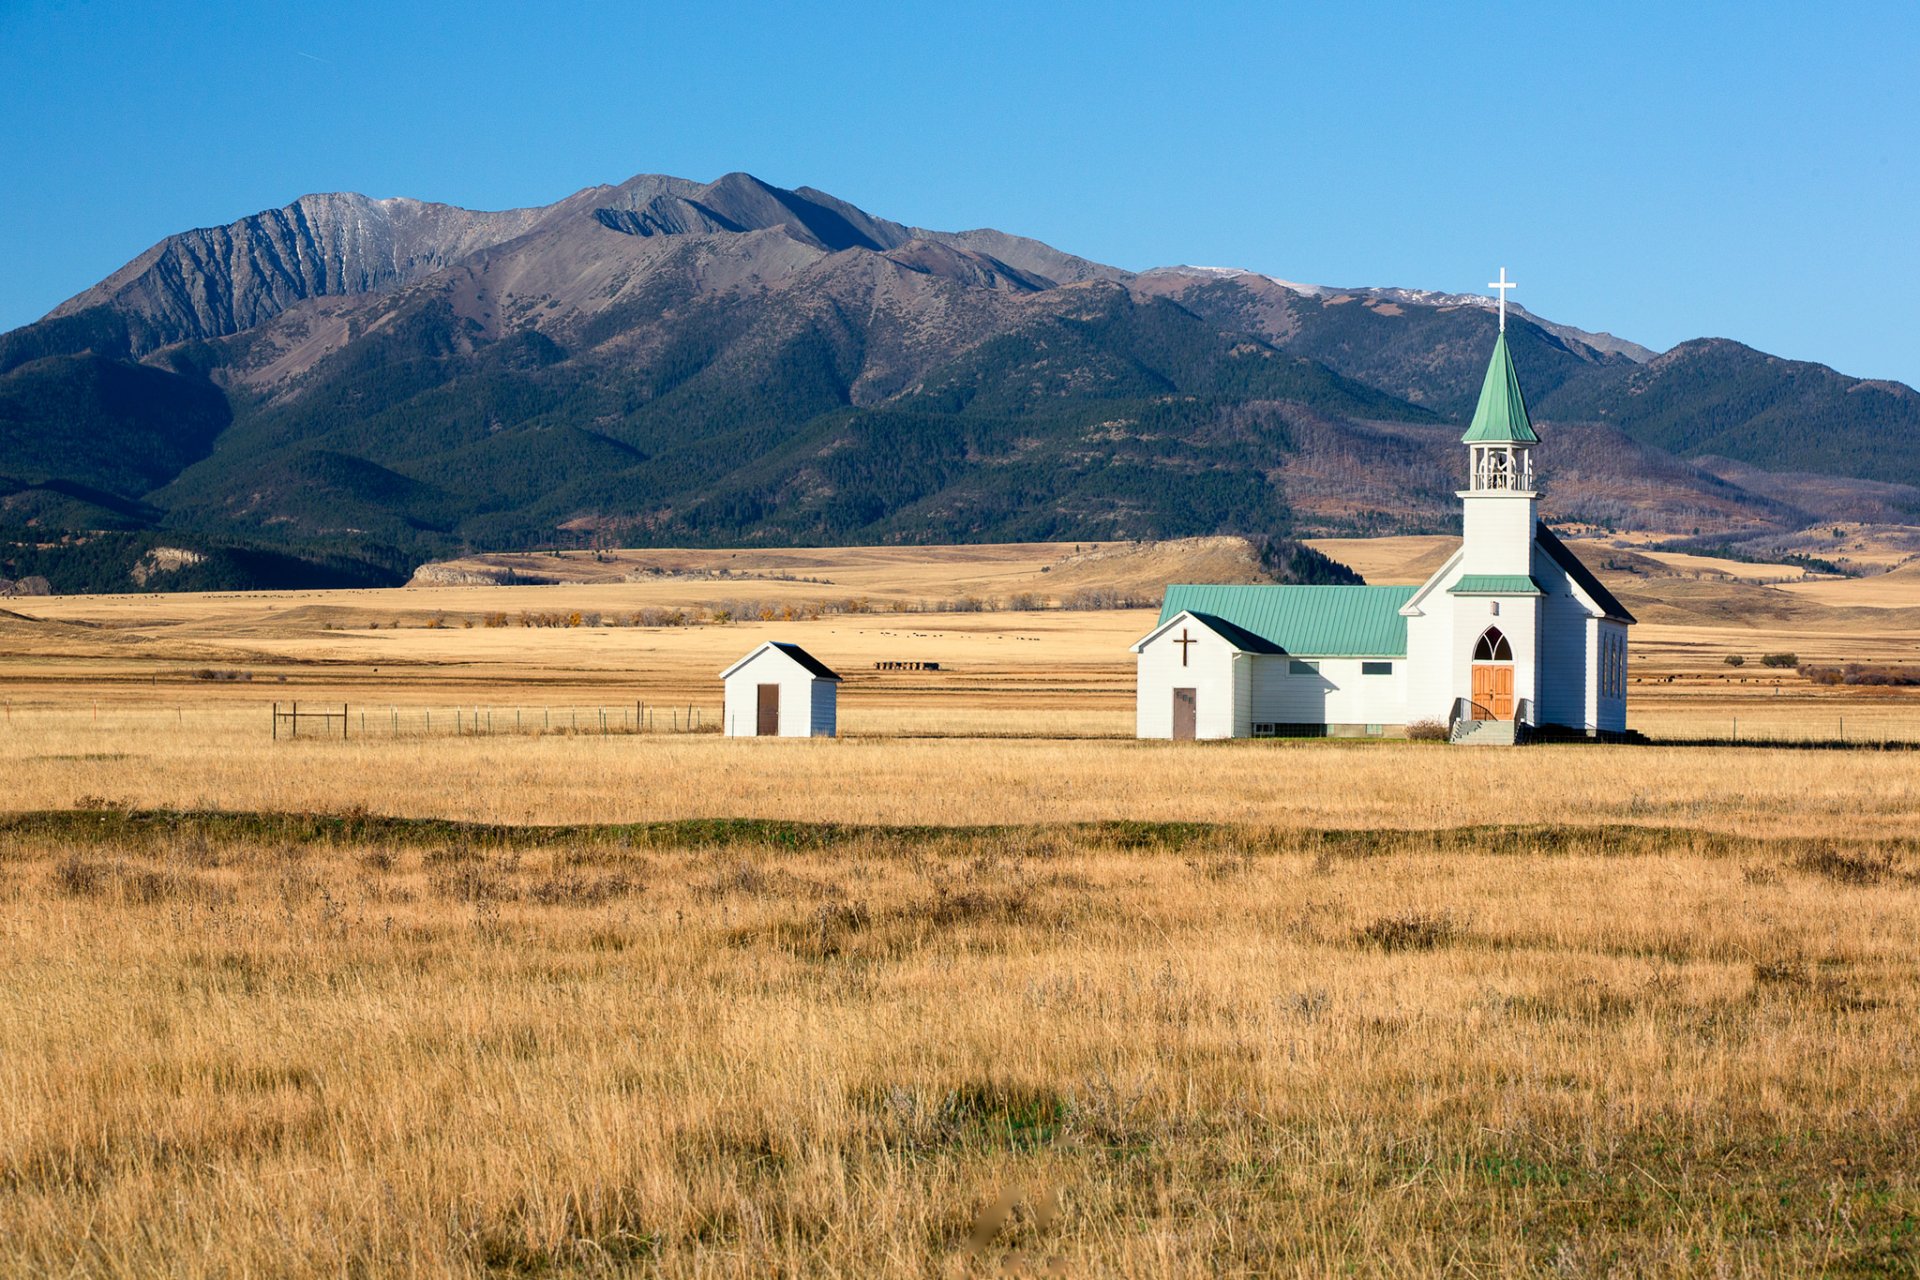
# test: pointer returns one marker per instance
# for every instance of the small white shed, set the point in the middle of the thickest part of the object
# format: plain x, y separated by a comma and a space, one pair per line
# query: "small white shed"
780, 691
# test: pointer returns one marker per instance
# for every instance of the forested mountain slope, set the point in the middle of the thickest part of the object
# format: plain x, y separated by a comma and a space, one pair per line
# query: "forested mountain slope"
344, 387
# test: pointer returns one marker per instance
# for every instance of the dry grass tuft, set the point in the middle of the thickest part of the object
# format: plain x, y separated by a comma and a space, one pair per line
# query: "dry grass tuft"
1410, 931
1849, 865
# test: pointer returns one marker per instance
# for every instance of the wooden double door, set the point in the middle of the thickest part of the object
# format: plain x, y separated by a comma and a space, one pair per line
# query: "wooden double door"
1493, 689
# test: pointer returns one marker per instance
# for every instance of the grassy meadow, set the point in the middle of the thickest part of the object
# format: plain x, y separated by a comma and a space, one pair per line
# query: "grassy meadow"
984, 987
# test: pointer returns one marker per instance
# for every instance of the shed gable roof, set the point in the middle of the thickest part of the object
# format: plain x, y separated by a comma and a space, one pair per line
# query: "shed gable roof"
1316, 621
806, 660
1239, 637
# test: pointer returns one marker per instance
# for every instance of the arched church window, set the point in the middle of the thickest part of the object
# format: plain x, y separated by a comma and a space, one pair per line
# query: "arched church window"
1492, 647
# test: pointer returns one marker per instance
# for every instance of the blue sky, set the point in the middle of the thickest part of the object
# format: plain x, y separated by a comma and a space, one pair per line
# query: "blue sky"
1661, 171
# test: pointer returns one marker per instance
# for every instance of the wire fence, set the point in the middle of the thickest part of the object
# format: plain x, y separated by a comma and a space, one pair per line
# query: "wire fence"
308, 720
1834, 732
479, 720
1881, 728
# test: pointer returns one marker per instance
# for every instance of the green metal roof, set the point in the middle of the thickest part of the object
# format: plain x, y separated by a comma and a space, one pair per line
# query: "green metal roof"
1308, 622
1501, 416
1495, 584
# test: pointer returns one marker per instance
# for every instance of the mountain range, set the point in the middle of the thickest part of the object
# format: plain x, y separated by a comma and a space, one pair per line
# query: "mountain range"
335, 391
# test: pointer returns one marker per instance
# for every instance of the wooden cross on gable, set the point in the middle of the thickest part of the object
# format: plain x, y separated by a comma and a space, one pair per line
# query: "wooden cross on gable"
1185, 641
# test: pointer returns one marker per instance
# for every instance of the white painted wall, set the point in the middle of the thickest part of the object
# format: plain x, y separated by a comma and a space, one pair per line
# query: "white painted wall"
1429, 679
1498, 526
825, 720
1338, 694
807, 703
1212, 670
1568, 665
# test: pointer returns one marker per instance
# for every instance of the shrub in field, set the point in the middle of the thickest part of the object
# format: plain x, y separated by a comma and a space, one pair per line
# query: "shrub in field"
1855, 673
1734, 660
1427, 731
1780, 660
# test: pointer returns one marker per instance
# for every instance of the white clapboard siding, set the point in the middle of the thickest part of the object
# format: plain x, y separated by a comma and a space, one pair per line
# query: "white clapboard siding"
1338, 693
1568, 663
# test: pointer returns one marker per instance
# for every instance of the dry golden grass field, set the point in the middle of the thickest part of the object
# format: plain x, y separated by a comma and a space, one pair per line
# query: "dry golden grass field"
984, 987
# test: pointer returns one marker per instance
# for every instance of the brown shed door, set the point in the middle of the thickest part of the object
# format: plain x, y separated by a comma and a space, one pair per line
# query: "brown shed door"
1185, 704
769, 722
1493, 689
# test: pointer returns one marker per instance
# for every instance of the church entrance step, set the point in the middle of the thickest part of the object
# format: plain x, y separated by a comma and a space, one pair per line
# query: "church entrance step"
1484, 733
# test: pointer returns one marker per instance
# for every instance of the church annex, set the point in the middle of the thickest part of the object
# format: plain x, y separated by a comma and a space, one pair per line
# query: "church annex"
1511, 636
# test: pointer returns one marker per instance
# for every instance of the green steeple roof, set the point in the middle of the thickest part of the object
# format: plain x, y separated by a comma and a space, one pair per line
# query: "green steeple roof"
1501, 417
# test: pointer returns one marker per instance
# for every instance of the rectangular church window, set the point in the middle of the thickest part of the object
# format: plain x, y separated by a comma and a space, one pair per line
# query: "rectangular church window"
1299, 667
1376, 668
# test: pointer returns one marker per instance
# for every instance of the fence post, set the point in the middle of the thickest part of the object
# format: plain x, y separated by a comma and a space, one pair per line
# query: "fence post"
276, 722
343, 722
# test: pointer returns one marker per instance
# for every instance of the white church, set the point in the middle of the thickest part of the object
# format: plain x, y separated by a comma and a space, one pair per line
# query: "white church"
1511, 638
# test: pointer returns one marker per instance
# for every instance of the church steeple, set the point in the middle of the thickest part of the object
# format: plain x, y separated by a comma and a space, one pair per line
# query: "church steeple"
1500, 439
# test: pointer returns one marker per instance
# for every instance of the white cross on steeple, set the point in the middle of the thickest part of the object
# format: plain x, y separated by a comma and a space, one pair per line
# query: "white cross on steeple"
1502, 284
